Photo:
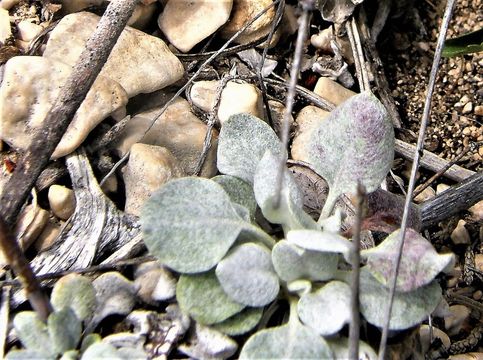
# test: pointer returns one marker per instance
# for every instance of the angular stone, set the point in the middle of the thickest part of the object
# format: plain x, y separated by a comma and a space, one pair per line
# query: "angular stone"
308, 120
425, 195
178, 130
30, 86
186, 23
148, 168
460, 234
141, 63
154, 282
5, 29
236, 98
245, 10
332, 91
61, 201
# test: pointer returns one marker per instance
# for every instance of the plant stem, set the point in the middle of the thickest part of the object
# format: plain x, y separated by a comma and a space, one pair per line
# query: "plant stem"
354, 327
419, 151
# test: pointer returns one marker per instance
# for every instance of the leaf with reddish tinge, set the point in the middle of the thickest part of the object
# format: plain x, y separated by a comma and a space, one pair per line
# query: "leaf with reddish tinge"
420, 263
355, 143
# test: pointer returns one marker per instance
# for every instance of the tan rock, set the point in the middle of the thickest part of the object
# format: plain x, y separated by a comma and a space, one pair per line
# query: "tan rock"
142, 15
454, 321
467, 356
5, 29
148, 168
61, 201
460, 234
141, 63
441, 188
178, 130
243, 11
307, 120
479, 261
30, 86
425, 195
236, 98
425, 337
154, 282
30, 224
479, 110
468, 108
8, 4
476, 211
332, 91
48, 236
186, 23
28, 30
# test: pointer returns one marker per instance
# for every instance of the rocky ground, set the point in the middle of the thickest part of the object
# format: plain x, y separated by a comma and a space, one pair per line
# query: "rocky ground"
37, 56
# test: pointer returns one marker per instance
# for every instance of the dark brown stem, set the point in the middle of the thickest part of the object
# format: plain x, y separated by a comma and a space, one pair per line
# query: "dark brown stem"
21, 267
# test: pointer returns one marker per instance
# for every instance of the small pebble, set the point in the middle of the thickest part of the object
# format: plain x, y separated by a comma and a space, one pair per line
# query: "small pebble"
425, 195
62, 201
424, 335
479, 110
454, 322
468, 108
477, 295
441, 188
460, 234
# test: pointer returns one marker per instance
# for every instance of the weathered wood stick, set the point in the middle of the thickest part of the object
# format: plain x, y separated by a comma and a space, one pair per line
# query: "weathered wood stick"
432, 162
455, 199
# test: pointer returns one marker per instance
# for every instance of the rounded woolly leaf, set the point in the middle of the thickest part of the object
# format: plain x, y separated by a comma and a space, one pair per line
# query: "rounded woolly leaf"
76, 292
242, 142
189, 224
239, 191
328, 309
70, 355
293, 263
101, 350
89, 340
409, 308
322, 241
354, 143
420, 263
202, 297
290, 211
291, 341
64, 329
27, 355
246, 274
240, 323
33, 333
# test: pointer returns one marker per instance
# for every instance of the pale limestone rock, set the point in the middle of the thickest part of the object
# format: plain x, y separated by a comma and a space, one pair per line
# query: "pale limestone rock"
48, 236
460, 234
154, 282
141, 63
8, 4
308, 120
142, 15
440, 188
148, 168
245, 10
30, 86
28, 30
186, 23
61, 201
332, 91
479, 261
425, 195
236, 98
425, 337
5, 29
178, 130
476, 211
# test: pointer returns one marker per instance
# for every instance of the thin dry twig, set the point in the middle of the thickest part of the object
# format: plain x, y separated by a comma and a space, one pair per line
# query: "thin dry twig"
355, 41
4, 316
412, 181
307, 6
354, 327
